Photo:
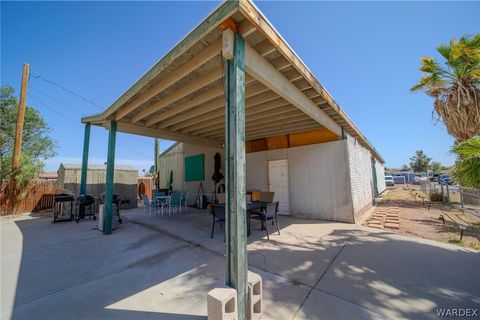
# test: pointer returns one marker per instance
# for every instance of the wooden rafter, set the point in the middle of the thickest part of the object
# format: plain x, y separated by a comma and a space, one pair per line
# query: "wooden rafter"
198, 60
191, 87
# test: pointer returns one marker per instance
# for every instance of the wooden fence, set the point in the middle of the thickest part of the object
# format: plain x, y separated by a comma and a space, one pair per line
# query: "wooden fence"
39, 196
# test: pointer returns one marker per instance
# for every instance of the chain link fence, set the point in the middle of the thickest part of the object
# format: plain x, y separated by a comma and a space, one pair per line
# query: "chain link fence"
457, 196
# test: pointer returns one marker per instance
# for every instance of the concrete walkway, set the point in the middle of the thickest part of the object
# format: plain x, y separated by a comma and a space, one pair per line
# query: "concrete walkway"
161, 267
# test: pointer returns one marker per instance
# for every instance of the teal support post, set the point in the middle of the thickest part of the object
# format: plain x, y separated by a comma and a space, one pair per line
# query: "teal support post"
155, 163
236, 215
86, 144
112, 136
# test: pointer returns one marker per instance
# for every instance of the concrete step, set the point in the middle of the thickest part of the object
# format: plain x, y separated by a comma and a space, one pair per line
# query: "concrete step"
392, 225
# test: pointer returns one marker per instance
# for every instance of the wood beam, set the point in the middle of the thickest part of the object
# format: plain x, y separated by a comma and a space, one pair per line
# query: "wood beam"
190, 104
246, 28
190, 88
164, 134
259, 68
264, 48
194, 124
294, 117
216, 108
198, 60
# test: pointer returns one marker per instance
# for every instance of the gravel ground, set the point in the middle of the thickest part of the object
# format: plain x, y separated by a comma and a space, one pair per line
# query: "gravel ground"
421, 219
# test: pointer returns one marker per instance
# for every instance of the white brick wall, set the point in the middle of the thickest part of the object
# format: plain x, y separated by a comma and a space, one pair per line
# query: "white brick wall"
361, 176
380, 176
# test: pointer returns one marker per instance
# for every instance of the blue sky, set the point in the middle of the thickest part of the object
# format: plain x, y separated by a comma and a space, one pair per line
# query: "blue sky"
366, 54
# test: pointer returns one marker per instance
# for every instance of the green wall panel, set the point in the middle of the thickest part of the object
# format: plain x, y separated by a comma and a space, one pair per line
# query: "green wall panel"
195, 168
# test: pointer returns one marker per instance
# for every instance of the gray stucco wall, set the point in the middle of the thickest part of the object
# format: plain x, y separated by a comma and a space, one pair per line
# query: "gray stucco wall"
318, 179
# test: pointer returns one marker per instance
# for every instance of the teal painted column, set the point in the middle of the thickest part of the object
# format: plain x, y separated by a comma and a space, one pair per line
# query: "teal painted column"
112, 136
86, 145
236, 215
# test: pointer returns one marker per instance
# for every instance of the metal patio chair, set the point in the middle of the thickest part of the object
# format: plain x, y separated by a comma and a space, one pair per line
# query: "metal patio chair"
175, 202
184, 198
269, 214
218, 216
147, 205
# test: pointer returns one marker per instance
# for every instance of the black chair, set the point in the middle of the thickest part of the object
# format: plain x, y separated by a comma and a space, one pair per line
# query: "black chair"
268, 214
218, 216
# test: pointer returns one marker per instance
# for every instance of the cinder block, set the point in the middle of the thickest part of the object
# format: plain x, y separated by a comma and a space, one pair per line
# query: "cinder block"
255, 292
222, 304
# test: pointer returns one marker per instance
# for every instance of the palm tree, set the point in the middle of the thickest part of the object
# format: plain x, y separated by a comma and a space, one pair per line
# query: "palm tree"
467, 169
455, 87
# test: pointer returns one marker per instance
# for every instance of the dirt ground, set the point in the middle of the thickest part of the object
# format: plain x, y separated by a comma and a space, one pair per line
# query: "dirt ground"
421, 218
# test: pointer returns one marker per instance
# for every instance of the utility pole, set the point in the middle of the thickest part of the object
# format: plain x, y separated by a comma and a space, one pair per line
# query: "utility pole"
17, 148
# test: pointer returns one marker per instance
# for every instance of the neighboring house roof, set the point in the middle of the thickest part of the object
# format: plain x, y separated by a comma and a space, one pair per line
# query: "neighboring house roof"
48, 175
181, 97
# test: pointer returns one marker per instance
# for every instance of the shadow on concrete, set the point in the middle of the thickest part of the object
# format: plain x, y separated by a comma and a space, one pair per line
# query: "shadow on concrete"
162, 267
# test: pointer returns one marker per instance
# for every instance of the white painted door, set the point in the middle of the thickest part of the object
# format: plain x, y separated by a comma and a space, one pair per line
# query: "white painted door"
278, 183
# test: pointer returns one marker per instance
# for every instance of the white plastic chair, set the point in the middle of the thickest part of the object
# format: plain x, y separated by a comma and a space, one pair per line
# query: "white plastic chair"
147, 205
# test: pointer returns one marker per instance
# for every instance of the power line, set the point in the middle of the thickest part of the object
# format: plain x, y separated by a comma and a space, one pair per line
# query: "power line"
41, 77
52, 98
53, 109
76, 123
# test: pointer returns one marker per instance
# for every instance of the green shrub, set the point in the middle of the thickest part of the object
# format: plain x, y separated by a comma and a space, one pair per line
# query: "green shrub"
436, 196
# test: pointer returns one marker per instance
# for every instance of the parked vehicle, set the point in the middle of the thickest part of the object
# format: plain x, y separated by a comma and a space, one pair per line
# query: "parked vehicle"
389, 181
446, 179
434, 176
420, 177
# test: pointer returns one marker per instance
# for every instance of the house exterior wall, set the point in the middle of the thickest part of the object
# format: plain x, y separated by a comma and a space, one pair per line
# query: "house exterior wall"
209, 152
329, 181
380, 176
361, 176
174, 160
318, 179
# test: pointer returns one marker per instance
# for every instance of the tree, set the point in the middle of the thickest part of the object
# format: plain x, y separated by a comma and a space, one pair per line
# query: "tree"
455, 87
466, 170
436, 166
420, 162
405, 168
37, 145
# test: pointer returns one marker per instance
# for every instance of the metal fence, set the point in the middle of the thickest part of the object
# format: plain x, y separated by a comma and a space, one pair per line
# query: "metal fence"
465, 198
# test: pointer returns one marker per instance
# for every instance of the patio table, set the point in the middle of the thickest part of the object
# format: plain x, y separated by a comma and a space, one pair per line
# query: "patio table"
162, 200
252, 206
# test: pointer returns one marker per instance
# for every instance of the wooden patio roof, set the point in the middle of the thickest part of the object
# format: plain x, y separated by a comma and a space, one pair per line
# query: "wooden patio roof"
182, 96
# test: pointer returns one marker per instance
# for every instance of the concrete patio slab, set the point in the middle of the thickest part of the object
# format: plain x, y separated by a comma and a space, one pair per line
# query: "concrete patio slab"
163, 267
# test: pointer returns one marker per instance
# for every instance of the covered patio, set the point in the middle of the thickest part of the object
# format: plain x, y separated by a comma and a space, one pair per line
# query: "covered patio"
232, 80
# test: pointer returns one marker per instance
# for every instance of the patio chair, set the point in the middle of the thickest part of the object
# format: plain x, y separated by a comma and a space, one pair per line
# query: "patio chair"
184, 199
175, 202
218, 216
147, 205
269, 214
